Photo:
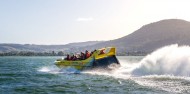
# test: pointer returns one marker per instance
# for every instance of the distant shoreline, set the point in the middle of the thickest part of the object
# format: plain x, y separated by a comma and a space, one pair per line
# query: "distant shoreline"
61, 53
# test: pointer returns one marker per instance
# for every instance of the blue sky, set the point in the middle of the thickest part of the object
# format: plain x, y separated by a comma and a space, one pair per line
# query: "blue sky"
66, 21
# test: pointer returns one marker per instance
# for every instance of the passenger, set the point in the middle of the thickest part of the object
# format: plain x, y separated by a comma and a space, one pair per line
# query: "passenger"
78, 57
74, 57
93, 52
67, 58
82, 56
102, 52
87, 54
71, 58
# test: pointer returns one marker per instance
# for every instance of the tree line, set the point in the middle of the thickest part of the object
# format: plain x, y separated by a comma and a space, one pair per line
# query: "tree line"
61, 53
30, 53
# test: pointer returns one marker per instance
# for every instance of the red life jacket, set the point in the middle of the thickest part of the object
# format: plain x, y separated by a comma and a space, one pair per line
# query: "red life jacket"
87, 55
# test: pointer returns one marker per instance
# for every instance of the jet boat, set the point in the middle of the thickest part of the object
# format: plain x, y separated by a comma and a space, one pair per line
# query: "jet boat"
99, 58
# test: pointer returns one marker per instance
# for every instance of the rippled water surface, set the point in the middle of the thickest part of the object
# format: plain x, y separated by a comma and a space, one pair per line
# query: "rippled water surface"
39, 75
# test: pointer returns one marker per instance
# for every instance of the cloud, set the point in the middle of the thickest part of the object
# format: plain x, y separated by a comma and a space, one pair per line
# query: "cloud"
85, 19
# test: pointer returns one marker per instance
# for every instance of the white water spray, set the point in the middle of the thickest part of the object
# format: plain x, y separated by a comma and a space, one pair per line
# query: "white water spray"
169, 60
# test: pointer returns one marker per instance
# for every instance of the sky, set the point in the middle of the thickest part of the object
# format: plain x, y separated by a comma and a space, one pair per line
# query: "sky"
66, 21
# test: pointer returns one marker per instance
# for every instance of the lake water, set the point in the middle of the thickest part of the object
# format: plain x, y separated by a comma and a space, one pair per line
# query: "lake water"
154, 74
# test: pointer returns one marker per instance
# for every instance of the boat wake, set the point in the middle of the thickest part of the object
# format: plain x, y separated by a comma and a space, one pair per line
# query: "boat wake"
55, 70
171, 60
166, 69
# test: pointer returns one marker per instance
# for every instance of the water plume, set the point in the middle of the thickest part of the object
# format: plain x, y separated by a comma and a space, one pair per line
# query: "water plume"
169, 60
